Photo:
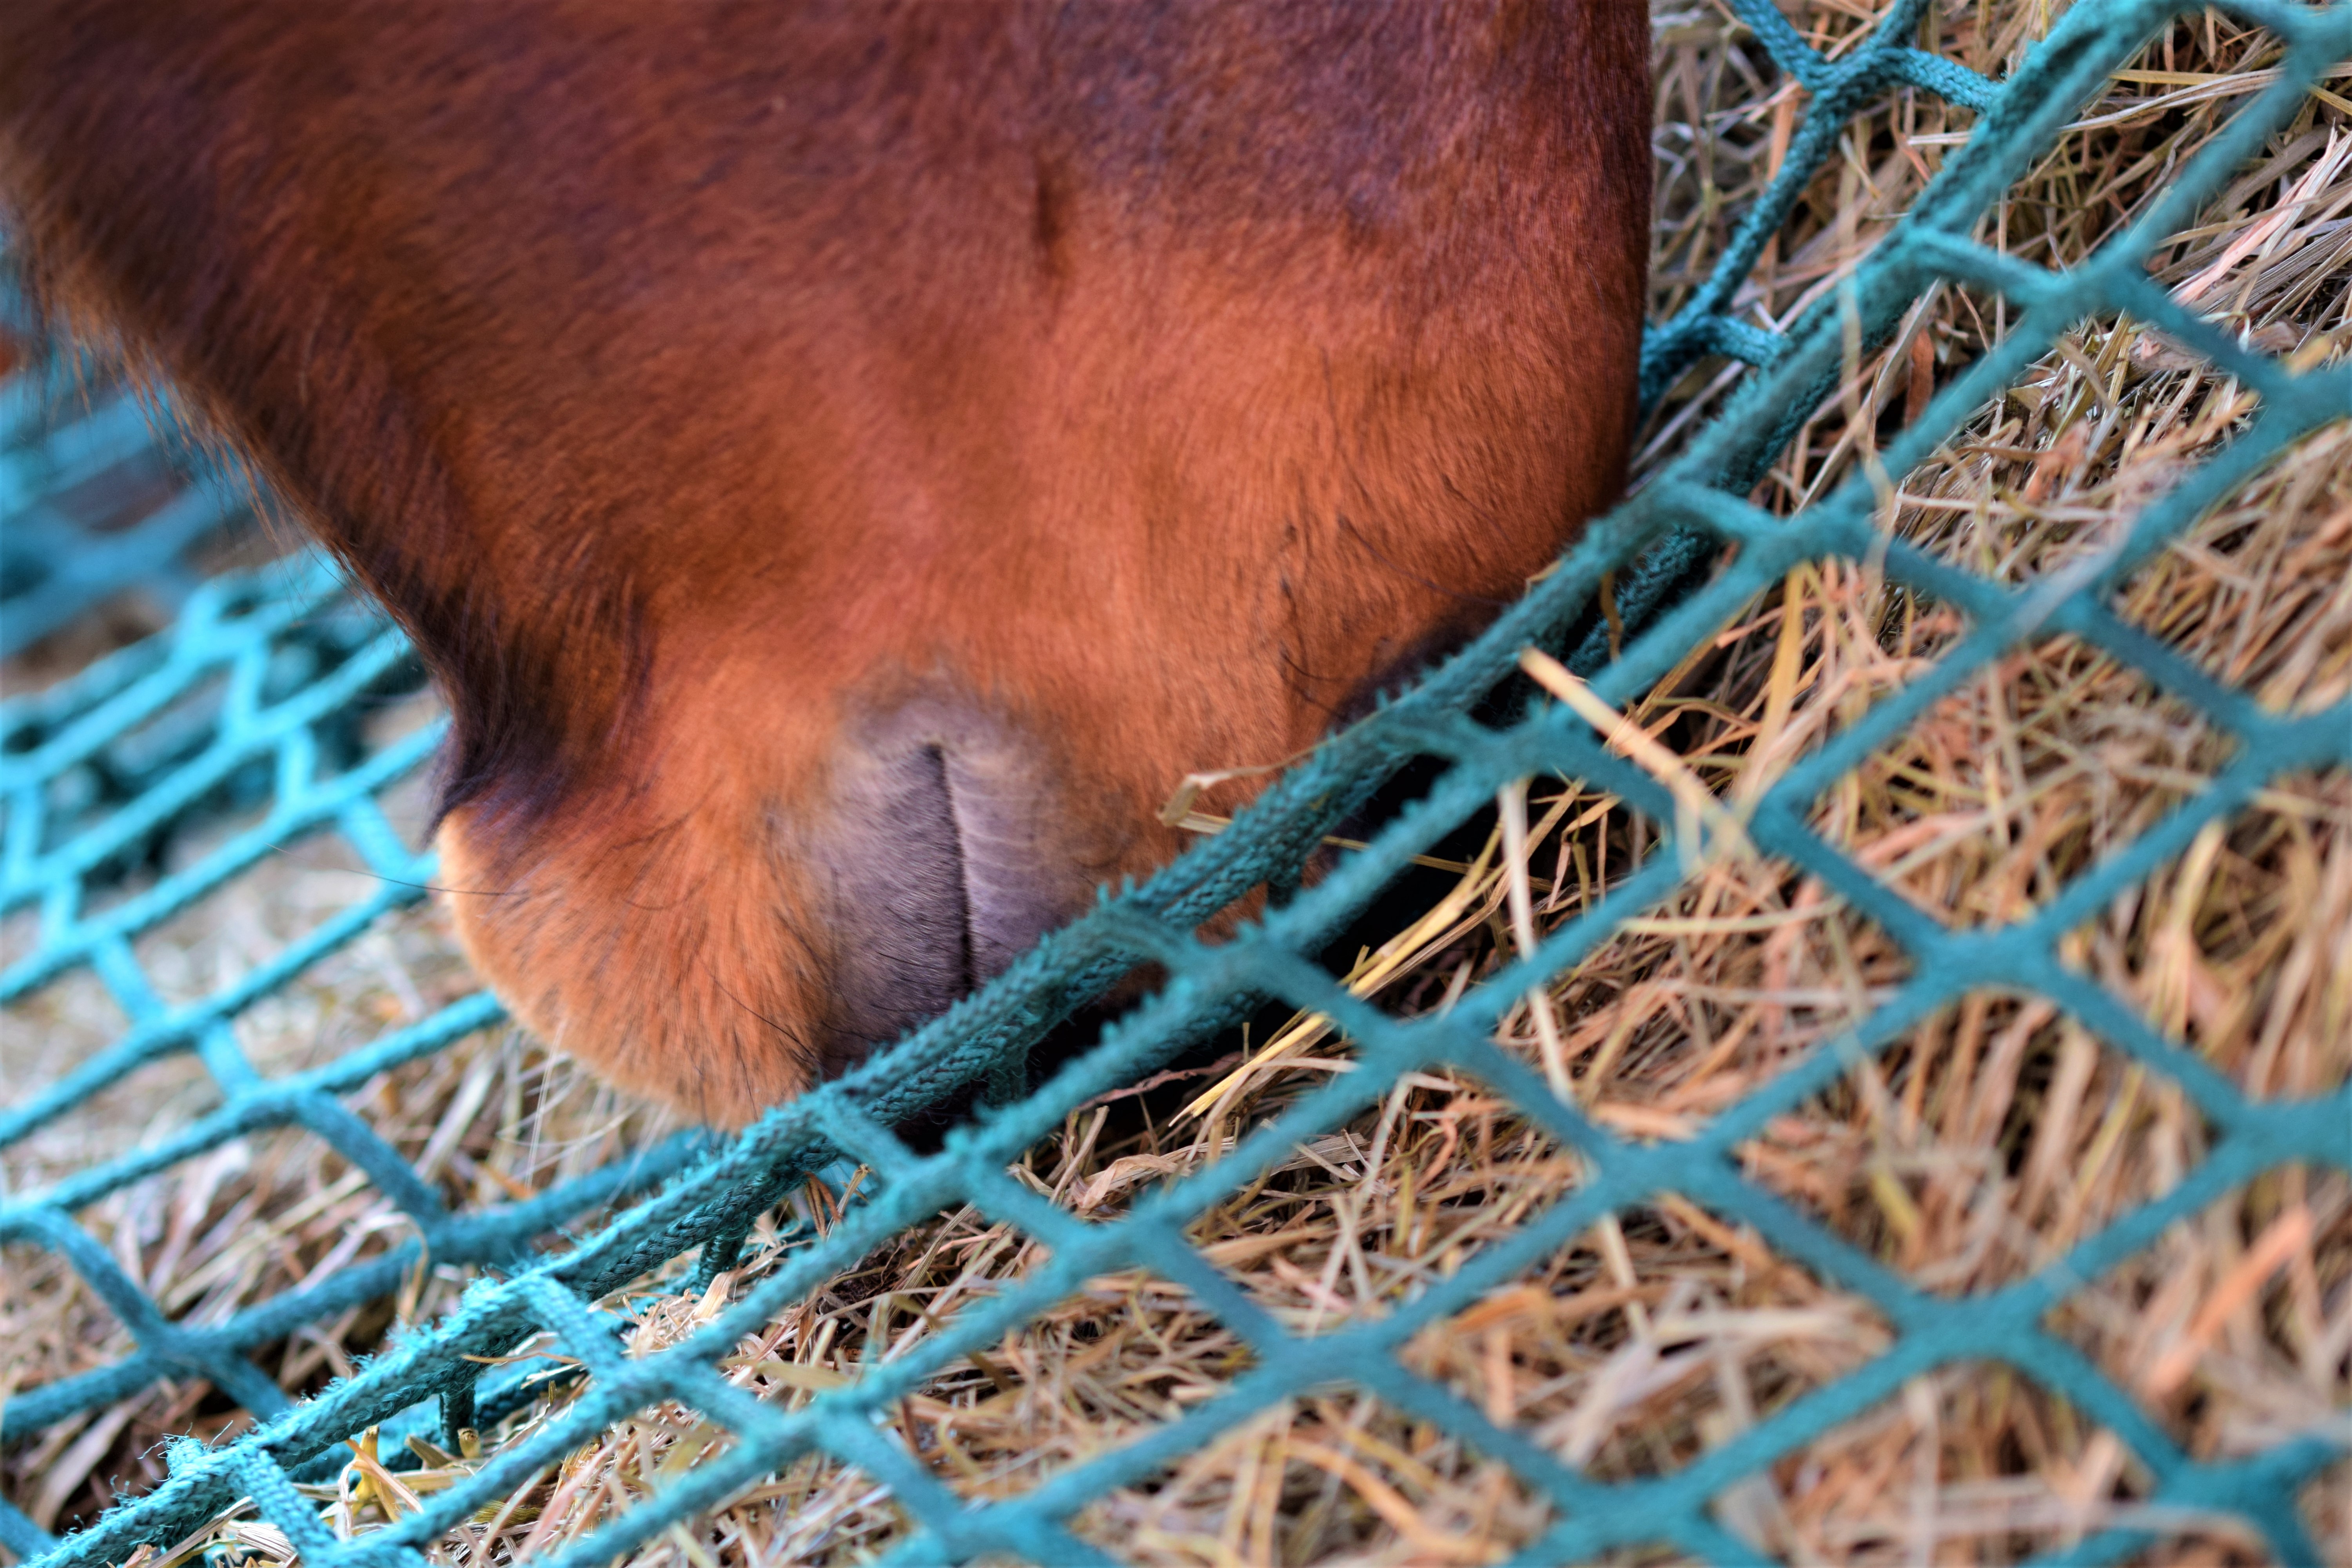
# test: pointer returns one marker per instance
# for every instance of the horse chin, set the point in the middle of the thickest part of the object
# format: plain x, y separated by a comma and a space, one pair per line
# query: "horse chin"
725, 952
614, 955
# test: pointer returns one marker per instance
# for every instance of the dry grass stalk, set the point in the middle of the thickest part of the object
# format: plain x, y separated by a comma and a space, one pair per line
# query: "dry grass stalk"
1973, 1150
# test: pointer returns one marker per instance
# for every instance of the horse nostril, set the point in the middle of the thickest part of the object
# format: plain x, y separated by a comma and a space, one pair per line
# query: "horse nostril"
941, 875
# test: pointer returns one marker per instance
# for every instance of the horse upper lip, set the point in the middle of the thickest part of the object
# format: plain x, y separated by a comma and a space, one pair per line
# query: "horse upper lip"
941, 869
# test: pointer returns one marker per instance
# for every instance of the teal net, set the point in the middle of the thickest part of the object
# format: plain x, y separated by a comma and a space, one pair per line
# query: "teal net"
91, 510
248, 706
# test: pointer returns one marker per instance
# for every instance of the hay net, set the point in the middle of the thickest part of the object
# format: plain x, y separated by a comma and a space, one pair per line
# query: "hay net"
57, 480
249, 702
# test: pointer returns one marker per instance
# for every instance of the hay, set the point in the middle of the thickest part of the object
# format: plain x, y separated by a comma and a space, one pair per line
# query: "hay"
1973, 1150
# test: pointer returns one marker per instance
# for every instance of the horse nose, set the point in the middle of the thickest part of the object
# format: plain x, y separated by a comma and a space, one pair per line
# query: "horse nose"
944, 866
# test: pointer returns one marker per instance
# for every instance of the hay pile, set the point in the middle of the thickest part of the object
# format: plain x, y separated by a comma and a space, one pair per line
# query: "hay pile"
1971, 1153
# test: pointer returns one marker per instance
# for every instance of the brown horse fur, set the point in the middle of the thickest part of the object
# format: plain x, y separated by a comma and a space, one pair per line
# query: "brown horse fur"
845, 462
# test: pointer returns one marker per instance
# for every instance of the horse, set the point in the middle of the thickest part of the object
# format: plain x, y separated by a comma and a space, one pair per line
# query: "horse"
843, 462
